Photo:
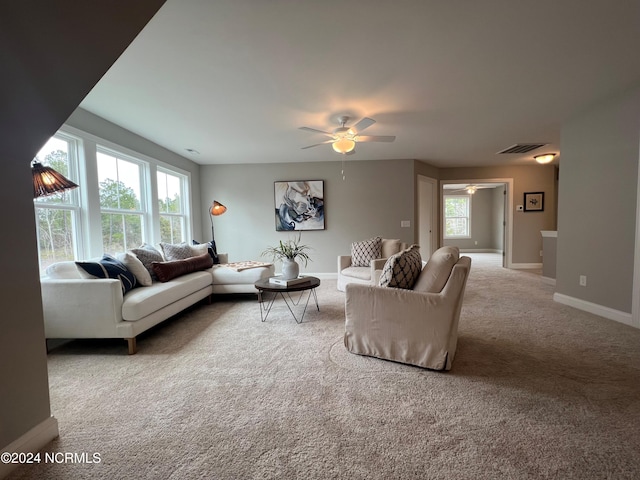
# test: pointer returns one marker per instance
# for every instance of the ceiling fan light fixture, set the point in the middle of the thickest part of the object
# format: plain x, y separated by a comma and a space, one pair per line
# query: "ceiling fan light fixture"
343, 145
471, 189
545, 158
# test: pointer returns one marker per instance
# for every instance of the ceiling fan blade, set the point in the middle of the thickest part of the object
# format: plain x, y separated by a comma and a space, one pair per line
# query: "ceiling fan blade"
375, 138
366, 122
315, 130
316, 144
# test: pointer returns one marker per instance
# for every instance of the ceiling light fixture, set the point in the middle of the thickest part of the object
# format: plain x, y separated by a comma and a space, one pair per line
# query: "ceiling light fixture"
471, 189
344, 145
544, 158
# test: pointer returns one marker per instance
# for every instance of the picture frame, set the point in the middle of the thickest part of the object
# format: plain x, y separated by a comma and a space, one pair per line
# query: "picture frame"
299, 205
534, 201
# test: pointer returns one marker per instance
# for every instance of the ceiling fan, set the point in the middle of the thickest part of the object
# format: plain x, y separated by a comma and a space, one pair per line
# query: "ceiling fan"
343, 139
471, 188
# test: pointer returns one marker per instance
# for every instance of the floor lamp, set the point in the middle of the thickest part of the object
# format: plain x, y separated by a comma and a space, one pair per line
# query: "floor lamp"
216, 209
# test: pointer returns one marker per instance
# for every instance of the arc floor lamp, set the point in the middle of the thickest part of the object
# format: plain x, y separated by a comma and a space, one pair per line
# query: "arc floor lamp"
215, 210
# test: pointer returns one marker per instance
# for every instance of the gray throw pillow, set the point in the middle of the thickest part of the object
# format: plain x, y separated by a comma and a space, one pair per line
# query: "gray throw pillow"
179, 251
147, 255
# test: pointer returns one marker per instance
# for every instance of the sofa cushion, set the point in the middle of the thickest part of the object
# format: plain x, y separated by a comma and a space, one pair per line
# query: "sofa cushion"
142, 302
402, 269
363, 252
436, 272
136, 267
63, 270
390, 246
223, 275
166, 271
110, 267
147, 255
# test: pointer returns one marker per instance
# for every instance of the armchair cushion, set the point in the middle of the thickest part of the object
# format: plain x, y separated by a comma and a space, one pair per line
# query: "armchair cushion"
363, 252
402, 269
390, 246
436, 272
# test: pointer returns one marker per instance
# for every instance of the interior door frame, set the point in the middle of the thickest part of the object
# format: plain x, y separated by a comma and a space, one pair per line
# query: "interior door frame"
435, 208
507, 259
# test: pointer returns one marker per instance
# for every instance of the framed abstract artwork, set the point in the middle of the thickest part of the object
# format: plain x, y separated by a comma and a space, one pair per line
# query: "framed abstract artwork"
534, 202
299, 205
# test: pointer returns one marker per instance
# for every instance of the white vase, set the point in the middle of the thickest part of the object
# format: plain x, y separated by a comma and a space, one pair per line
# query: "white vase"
290, 269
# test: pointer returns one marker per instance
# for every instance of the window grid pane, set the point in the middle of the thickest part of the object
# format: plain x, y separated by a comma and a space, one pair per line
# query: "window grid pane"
457, 216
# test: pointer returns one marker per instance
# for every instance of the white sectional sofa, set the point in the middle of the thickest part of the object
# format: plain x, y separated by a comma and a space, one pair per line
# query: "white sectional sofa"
76, 307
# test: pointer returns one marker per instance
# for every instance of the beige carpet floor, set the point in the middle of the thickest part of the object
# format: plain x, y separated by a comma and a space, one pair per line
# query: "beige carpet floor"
537, 390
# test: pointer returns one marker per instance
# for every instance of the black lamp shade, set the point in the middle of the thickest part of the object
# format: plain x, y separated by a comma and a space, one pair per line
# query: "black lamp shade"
46, 181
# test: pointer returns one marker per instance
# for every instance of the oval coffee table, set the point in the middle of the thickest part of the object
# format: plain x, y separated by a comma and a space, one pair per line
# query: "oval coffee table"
285, 292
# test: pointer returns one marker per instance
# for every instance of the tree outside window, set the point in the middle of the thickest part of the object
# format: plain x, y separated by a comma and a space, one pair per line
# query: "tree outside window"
57, 214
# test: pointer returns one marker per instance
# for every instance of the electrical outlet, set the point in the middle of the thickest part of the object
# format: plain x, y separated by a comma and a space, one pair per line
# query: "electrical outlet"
583, 280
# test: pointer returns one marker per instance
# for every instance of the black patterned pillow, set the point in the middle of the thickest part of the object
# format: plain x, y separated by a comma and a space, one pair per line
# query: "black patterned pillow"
363, 252
402, 269
109, 267
147, 255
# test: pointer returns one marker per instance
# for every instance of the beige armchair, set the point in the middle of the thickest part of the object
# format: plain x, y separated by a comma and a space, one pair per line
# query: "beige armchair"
347, 273
417, 327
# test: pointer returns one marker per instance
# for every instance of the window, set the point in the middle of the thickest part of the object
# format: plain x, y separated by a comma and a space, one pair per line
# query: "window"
57, 215
121, 201
457, 215
171, 197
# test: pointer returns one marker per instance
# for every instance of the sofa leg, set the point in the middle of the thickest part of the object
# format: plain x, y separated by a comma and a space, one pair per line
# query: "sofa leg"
131, 342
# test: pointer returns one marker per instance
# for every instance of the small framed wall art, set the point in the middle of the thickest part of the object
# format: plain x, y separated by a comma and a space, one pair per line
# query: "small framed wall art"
299, 205
534, 201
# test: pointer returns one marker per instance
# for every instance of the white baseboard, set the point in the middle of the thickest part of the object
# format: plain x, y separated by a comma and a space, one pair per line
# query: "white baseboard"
548, 280
479, 250
525, 266
594, 308
33, 441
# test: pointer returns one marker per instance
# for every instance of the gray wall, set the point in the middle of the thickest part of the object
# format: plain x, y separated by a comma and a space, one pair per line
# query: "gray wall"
527, 241
372, 200
597, 205
44, 79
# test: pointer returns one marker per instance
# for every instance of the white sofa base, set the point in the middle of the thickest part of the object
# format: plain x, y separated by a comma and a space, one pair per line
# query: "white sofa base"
96, 308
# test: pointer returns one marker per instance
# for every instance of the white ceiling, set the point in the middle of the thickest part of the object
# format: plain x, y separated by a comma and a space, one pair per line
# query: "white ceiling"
456, 81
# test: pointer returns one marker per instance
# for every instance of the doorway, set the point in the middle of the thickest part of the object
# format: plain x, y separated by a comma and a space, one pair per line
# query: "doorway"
490, 216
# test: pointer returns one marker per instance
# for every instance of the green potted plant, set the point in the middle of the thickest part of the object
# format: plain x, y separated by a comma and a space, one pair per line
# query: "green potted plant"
288, 251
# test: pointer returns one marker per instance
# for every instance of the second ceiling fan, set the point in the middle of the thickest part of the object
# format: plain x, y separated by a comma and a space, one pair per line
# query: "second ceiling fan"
343, 139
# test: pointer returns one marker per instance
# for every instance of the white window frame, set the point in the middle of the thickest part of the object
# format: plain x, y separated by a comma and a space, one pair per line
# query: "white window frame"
183, 214
145, 191
468, 217
75, 204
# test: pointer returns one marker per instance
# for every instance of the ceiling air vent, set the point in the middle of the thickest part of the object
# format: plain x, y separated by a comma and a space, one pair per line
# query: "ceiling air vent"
522, 147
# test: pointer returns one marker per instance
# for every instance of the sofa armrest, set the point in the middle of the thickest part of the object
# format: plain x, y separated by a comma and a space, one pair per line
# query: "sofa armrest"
81, 308
344, 261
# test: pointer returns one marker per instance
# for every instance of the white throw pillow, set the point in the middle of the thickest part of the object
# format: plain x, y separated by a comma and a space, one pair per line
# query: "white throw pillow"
136, 267
63, 270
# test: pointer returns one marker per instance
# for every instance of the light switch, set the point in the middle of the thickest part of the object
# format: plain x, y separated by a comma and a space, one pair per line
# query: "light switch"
405, 224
